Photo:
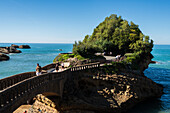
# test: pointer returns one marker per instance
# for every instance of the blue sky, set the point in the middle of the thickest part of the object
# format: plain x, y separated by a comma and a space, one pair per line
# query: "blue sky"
64, 21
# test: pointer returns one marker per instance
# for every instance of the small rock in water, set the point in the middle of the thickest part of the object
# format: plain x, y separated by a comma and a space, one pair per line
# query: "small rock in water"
15, 46
24, 47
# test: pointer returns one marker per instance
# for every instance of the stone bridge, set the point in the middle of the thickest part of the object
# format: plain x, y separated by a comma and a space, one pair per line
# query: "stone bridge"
20, 89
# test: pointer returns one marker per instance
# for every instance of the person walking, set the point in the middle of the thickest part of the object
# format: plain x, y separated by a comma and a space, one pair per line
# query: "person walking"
38, 69
57, 67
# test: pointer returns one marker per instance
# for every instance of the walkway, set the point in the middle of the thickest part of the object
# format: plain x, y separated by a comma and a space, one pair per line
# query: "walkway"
110, 58
20, 89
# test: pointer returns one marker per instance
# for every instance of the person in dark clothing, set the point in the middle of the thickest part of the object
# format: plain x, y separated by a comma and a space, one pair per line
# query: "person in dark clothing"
57, 67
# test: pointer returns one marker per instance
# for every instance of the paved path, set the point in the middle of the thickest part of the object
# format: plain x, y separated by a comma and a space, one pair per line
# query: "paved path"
53, 70
110, 58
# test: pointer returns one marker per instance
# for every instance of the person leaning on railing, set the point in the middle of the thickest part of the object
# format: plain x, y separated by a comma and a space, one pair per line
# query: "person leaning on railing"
38, 69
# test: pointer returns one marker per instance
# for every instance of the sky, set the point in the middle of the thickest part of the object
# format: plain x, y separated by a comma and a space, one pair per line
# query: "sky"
67, 21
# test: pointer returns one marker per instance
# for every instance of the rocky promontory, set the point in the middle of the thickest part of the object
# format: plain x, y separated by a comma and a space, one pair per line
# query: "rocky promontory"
98, 90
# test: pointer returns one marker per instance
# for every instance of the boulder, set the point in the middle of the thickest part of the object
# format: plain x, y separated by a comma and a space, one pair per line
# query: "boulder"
15, 46
4, 50
24, 47
43, 104
3, 57
13, 50
8, 50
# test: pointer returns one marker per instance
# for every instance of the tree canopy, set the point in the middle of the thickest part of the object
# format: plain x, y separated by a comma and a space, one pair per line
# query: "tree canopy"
114, 35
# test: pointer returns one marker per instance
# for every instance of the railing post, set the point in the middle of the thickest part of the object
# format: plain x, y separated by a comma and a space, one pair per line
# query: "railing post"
7, 98
12, 95
2, 100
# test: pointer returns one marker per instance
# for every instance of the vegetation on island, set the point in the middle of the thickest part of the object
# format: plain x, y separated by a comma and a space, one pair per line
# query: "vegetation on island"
114, 36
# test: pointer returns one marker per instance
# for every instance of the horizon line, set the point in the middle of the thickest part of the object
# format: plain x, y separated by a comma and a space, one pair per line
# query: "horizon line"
52, 43
38, 42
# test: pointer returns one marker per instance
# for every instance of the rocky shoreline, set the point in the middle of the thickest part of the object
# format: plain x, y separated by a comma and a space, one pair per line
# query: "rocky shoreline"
11, 49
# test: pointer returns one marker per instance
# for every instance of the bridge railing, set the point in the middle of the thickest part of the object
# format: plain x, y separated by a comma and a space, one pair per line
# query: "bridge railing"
11, 80
49, 66
86, 66
12, 93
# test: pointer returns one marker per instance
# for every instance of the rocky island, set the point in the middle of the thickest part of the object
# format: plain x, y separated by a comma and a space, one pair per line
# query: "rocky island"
117, 85
11, 49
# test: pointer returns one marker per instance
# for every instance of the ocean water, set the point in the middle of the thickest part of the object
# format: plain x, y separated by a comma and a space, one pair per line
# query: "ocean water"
160, 73
45, 53
27, 60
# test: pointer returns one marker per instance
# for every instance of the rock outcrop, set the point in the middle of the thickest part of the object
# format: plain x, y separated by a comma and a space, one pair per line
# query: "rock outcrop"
8, 50
13, 45
13, 50
43, 105
24, 47
4, 50
3, 57
98, 92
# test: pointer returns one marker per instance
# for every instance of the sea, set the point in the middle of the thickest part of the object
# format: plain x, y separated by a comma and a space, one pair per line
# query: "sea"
45, 53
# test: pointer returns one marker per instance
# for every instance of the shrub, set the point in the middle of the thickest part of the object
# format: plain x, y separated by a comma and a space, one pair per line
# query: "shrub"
64, 57
79, 57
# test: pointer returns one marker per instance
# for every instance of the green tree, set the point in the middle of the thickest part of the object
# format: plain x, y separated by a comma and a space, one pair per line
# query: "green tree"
114, 35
